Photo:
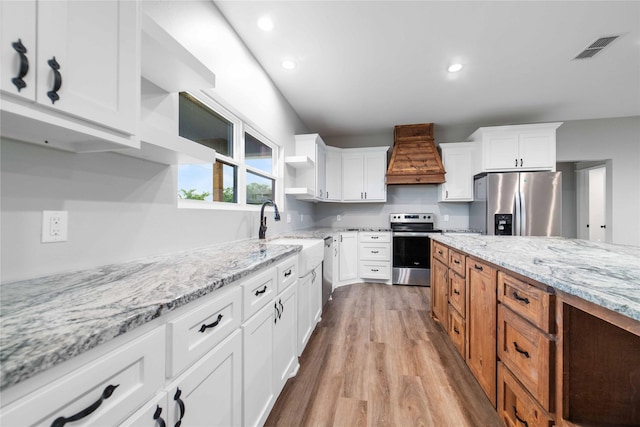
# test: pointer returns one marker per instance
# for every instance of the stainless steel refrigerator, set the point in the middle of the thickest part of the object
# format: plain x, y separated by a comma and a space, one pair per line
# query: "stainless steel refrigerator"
518, 204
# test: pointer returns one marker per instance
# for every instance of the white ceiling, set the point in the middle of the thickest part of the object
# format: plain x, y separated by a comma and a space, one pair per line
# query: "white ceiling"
365, 66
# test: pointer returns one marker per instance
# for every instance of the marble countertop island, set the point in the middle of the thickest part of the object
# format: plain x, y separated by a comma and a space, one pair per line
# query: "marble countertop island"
604, 274
49, 320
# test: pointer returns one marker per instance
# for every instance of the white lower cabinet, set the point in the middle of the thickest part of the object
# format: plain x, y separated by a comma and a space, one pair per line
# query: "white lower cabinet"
118, 383
285, 350
152, 414
348, 254
258, 366
315, 296
304, 312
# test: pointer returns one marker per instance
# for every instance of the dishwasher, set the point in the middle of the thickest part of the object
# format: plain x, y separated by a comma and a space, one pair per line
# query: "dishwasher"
330, 253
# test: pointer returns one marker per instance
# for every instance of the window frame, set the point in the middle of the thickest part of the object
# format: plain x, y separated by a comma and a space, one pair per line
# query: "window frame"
240, 127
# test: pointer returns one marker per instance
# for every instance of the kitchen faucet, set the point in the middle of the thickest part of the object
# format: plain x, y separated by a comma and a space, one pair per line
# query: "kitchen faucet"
263, 220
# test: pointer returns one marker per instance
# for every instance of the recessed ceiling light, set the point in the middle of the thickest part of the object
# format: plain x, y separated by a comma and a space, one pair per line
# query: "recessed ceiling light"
288, 64
265, 23
454, 68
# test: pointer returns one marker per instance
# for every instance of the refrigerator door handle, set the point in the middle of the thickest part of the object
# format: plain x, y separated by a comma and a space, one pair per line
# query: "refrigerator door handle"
523, 215
516, 219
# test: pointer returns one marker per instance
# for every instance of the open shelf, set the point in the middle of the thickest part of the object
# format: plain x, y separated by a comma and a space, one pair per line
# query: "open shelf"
299, 162
300, 192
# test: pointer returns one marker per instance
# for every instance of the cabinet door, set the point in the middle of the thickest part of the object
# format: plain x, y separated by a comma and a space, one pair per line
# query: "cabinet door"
321, 179
439, 286
481, 325
315, 296
348, 264
258, 366
375, 168
210, 391
537, 150
152, 414
501, 151
18, 20
459, 176
285, 350
334, 175
96, 44
304, 312
352, 177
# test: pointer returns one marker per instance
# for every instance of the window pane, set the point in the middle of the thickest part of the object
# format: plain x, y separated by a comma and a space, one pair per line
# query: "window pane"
257, 154
259, 189
201, 124
225, 182
195, 182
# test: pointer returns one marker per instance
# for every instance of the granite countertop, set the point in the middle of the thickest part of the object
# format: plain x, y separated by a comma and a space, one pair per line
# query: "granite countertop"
322, 232
49, 320
604, 274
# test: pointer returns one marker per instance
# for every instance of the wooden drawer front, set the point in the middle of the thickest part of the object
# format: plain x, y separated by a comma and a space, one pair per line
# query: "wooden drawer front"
287, 273
379, 237
201, 329
456, 329
528, 301
515, 406
480, 268
440, 252
375, 270
258, 290
527, 352
136, 368
457, 262
457, 287
375, 251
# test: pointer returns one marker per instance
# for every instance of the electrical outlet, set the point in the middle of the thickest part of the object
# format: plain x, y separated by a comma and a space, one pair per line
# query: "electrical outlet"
55, 226
339, 217
288, 218
445, 218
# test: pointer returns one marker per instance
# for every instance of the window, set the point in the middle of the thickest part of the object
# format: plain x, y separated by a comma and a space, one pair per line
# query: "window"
245, 168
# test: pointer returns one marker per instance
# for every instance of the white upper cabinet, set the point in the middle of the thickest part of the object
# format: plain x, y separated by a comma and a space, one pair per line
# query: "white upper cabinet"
333, 175
363, 174
82, 81
520, 147
457, 160
309, 165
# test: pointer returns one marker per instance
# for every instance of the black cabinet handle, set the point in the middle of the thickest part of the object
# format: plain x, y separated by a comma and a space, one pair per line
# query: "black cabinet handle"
522, 421
157, 418
262, 291
603, 226
24, 65
440, 253
521, 351
57, 80
106, 393
375, 237
375, 270
180, 403
375, 252
287, 273
277, 316
478, 267
516, 162
455, 261
281, 309
211, 325
456, 330
520, 162
457, 292
519, 298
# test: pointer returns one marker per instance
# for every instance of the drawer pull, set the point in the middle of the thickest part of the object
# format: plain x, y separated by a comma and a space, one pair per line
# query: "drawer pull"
106, 393
457, 292
521, 351
521, 420
287, 273
375, 252
180, 403
375, 237
262, 291
478, 267
277, 316
211, 325
440, 253
455, 261
281, 308
375, 270
519, 298
57, 80
456, 330
24, 65
157, 418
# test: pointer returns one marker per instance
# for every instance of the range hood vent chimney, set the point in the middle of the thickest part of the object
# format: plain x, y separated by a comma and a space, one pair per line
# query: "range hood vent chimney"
415, 159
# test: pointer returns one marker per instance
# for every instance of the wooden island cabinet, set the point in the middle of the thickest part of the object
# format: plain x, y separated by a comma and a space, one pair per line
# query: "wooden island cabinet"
543, 357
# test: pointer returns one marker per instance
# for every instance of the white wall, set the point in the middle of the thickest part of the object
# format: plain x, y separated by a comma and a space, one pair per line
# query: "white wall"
122, 208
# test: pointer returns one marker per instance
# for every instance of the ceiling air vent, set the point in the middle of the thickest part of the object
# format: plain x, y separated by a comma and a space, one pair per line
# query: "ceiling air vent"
596, 47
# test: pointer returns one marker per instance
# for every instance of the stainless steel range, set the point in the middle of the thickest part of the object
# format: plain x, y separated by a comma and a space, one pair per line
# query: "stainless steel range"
412, 248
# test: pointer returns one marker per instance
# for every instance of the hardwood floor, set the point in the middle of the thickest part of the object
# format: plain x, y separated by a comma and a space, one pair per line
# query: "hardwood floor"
378, 359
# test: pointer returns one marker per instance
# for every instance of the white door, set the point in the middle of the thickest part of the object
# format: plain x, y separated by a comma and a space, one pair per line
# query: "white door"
209, 391
348, 256
315, 296
536, 151
375, 168
18, 20
334, 175
501, 152
597, 203
321, 179
352, 177
457, 163
96, 45
152, 414
304, 312
285, 349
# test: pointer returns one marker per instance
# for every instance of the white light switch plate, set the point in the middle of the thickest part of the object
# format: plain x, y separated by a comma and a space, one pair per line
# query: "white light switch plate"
55, 226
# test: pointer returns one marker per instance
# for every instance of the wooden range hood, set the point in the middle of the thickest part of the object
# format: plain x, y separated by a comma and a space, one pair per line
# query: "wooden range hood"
415, 159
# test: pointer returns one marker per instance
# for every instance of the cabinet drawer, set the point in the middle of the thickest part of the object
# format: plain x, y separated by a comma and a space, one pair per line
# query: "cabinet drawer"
457, 292
480, 268
515, 406
375, 251
457, 262
370, 236
440, 252
287, 273
375, 270
527, 352
257, 291
202, 328
530, 302
456, 330
136, 368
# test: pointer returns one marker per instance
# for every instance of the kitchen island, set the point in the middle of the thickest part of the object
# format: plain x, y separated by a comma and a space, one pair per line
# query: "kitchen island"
549, 326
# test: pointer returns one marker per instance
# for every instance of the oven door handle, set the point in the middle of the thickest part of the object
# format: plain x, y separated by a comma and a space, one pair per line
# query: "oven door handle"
412, 234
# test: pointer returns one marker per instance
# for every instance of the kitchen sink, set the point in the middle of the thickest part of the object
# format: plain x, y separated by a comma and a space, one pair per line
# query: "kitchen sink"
309, 257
